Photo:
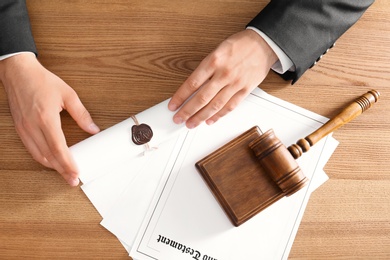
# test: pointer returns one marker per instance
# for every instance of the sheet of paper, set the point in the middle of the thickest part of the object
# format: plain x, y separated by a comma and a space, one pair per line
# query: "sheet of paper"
186, 222
105, 190
98, 154
128, 211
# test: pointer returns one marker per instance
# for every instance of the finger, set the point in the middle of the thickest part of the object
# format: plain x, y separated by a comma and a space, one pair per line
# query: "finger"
46, 153
229, 106
215, 105
200, 100
62, 162
52, 145
32, 147
79, 113
192, 84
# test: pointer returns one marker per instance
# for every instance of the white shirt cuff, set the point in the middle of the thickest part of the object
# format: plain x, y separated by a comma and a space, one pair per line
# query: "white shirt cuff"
284, 63
3, 57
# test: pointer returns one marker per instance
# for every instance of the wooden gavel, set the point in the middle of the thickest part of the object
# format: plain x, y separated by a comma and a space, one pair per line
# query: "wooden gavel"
254, 170
279, 161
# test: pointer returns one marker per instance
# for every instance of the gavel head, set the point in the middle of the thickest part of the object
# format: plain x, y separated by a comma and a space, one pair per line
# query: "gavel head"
277, 161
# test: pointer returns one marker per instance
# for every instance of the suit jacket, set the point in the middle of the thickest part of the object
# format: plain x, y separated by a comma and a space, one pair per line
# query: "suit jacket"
15, 31
303, 29
306, 29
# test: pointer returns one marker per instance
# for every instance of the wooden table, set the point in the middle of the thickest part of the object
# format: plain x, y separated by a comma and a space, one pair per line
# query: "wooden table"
125, 56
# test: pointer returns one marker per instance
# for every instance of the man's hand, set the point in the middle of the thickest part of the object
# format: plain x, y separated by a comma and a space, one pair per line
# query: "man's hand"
223, 79
36, 97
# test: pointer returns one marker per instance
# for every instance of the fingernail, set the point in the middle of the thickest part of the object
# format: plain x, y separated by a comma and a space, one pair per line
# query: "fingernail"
74, 182
172, 107
191, 125
210, 122
94, 128
178, 120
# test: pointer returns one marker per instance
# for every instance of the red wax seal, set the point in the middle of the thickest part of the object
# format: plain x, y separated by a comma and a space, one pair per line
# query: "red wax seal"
141, 134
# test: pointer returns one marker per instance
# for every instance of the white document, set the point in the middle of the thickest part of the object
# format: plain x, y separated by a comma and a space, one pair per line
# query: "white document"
99, 154
185, 221
128, 211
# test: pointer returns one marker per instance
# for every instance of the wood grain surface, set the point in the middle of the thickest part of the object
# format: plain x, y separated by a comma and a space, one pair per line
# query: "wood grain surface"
125, 56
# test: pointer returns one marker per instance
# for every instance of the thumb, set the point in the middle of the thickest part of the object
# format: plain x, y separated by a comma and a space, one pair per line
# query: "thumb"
80, 114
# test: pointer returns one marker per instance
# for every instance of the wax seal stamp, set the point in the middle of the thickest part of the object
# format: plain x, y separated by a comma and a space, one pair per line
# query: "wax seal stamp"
141, 134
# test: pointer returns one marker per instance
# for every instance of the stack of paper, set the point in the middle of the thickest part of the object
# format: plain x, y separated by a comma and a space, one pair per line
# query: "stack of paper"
158, 205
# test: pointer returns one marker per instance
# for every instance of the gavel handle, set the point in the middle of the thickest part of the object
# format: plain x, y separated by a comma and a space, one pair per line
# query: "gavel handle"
357, 107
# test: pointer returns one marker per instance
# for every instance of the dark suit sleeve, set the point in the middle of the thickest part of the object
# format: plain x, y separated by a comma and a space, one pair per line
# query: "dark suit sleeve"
15, 30
306, 29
